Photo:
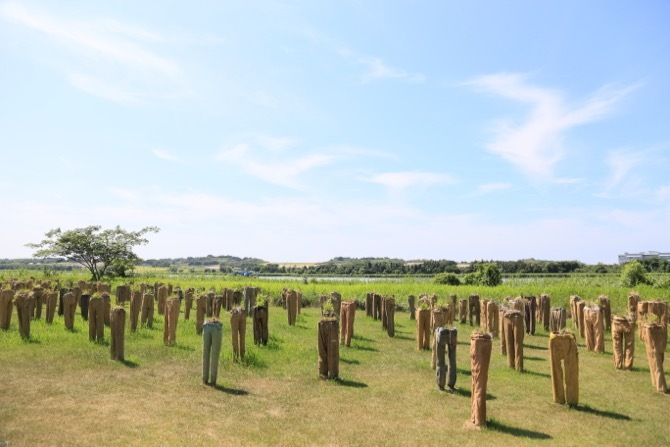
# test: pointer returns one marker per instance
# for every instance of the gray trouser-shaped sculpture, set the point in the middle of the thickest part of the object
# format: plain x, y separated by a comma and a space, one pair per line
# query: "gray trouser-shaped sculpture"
446, 342
212, 333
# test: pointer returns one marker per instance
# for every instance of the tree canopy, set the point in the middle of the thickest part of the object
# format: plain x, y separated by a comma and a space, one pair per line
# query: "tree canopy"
94, 248
633, 273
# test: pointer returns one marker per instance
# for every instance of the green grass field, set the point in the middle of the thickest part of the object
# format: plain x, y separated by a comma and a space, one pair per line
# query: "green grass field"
60, 389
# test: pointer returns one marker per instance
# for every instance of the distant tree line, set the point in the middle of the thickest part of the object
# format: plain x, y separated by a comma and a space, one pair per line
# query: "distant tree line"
397, 267
343, 266
37, 264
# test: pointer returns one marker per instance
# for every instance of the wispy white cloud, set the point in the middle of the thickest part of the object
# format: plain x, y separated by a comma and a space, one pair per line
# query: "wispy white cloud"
403, 180
535, 145
164, 155
104, 90
378, 69
104, 57
488, 188
375, 68
282, 172
621, 164
275, 143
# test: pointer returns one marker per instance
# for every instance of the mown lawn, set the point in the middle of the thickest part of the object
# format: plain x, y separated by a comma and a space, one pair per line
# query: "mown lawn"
60, 389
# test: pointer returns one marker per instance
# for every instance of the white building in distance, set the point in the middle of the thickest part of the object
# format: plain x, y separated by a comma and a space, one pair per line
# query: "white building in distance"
640, 256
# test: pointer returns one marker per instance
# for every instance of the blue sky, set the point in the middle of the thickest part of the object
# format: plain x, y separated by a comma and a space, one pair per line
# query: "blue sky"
303, 130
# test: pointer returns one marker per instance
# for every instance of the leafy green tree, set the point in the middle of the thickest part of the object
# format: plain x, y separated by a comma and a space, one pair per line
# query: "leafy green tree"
447, 278
487, 274
94, 248
633, 273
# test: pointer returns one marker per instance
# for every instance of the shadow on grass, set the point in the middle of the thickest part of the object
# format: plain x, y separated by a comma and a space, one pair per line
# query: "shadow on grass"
535, 359
465, 392
539, 334
534, 373
182, 347
364, 348
251, 360
31, 340
402, 337
300, 326
350, 383
541, 348
602, 413
465, 372
350, 362
129, 363
232, 391
144, 333
360, 337
494, 425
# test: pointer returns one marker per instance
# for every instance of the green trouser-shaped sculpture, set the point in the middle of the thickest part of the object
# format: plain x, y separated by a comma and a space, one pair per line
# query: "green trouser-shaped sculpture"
212, 333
